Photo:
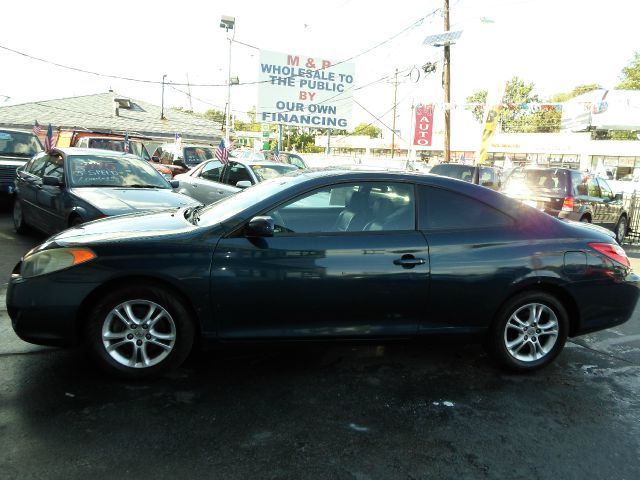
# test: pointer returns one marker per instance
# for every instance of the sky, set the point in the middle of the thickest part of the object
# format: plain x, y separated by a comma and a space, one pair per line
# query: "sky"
554, 44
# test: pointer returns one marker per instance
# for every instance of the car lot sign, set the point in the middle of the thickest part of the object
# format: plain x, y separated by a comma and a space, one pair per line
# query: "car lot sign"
305, 91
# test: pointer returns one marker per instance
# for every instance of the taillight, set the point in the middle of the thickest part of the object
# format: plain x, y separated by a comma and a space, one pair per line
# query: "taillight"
612, 251
567, 205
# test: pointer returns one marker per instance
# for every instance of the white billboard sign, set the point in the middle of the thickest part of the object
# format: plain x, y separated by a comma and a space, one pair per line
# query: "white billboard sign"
304, 91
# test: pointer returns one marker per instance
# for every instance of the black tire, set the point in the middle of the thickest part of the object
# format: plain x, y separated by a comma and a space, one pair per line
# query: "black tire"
18, 217
514, 329
621, 229
128, 359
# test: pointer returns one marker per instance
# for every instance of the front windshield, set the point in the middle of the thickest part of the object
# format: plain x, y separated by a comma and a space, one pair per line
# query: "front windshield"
195, 155
230, 206
265, 172
101, 171
19, 144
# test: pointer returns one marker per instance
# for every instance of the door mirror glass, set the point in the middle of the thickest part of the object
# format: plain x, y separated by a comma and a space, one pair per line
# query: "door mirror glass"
174, 183
243, 184
51, 181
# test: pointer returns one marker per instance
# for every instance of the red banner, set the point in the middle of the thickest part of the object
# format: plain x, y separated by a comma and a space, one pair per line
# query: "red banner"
424, 125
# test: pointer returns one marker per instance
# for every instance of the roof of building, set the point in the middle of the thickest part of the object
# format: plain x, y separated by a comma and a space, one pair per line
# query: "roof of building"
110, 112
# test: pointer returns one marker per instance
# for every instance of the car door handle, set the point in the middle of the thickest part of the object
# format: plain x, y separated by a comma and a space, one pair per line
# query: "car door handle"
408, 261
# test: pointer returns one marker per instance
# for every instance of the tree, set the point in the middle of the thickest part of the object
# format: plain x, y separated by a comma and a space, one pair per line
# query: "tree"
631, 75
367, 129
514, 118
215, 115
579, 90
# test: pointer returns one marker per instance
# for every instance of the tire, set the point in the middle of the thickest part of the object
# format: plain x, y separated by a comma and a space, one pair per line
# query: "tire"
519, 344
18, 217
621, 229
586, 219
126, 344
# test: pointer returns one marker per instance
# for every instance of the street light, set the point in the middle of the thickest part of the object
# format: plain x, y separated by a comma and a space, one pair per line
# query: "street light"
228, 23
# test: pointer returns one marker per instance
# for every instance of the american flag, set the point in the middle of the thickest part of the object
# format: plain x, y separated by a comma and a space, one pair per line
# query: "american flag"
48, 141
125, 146
37, 129
178, 141
276, 154
222, 153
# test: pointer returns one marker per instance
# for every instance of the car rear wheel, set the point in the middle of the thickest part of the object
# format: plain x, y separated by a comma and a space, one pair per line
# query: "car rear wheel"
621, 229
18, 217
528, 332
140, 332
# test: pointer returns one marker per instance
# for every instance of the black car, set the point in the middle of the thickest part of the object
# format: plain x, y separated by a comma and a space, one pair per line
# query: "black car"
70, 186
570, 194
361, 255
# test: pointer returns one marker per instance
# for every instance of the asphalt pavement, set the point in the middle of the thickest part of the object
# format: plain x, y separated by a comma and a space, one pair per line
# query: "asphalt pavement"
396, 410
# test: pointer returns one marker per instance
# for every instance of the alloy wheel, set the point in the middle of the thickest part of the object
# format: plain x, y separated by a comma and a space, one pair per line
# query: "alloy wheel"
139, 333
531, 332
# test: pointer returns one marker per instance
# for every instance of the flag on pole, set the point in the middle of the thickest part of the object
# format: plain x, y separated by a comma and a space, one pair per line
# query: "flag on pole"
125, 146
276, 154
48, 141
37, 128
222, 153
178, 141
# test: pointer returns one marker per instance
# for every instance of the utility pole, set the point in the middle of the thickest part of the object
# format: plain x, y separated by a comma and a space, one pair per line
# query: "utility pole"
189, 94
393, 127
162, 108
446, 84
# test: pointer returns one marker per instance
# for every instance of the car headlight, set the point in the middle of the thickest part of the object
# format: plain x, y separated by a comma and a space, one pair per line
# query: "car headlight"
49, 261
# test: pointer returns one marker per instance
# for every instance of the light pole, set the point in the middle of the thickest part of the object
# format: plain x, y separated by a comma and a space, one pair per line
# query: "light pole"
228, 23
162, 108
6, 98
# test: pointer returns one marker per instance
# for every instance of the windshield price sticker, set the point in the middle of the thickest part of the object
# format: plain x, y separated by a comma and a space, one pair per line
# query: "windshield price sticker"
305, 91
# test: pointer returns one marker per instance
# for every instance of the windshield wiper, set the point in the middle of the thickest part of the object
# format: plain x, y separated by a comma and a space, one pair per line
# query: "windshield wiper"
139, 185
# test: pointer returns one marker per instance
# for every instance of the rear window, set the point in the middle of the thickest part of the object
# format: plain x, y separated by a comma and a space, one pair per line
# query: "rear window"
461, 172
542, 181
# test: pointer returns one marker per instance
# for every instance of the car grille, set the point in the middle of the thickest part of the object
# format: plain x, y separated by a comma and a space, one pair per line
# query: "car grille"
7, 174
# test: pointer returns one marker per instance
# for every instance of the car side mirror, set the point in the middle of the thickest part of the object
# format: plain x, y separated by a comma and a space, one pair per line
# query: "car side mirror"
260, 227
155, 158
174, 183
243, 184
52, 181
180, 162
618, 197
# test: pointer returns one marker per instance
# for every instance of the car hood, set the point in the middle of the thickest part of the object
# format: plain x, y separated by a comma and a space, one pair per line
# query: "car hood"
119, 201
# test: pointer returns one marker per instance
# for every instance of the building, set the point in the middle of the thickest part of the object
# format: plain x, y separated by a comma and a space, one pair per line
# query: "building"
114, 113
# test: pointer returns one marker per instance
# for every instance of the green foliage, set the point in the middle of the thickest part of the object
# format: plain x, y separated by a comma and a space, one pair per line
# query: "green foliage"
516, 120
366, 129
215, 115
631, 75
579, 90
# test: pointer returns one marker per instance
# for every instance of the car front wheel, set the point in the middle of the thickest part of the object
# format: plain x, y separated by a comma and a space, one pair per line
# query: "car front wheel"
140, 332
621, 229
528, 332
18, 217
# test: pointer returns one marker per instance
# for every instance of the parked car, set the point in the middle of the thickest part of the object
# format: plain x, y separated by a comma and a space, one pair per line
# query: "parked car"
110, 141
70, 186
182, 158
212, 180
570, 194
484, 175
268, 156
361, 255
16, 148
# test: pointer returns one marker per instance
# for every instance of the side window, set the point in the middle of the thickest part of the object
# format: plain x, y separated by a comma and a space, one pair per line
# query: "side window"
236, 173
581, 183
83, 143
211, 171
167, 158
353, 207
444, 209
36, 166
605, 189
593, 187
54, 167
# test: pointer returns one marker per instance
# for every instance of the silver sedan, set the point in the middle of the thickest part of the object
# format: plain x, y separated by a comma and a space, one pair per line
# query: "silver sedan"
213, 180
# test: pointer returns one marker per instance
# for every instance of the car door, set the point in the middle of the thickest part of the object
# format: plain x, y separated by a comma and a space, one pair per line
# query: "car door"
49, 198
476, 256
315, 280
612, 207
204, 183
28, 182
598, 207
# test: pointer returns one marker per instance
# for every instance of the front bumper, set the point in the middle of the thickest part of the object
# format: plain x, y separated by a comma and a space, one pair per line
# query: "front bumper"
44, 310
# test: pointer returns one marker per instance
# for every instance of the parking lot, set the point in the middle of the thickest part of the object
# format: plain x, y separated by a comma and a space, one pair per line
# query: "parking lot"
397, 410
